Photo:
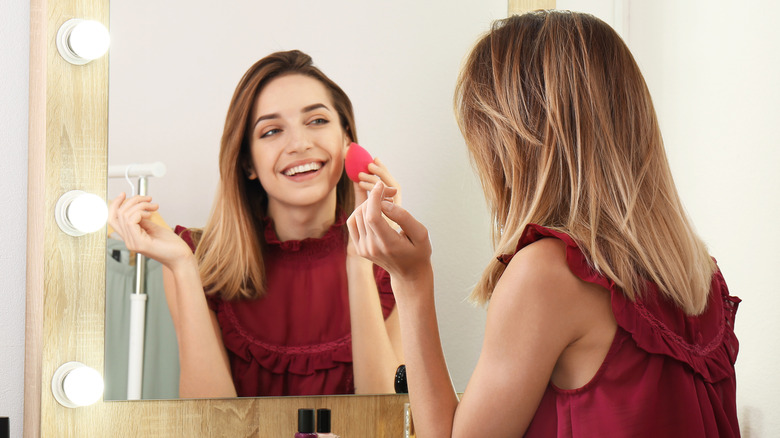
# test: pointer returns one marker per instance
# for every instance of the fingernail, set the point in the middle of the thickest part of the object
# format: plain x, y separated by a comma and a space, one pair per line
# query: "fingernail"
387, 205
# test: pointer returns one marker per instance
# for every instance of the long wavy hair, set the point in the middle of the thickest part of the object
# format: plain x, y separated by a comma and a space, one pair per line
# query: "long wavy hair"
561, 129
230, 250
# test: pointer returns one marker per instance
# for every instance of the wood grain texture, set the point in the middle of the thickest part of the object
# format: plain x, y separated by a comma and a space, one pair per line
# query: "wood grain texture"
66, 275
35, 222
522, 6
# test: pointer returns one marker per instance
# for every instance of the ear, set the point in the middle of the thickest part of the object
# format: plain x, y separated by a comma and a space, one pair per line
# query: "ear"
347, 142
249, 170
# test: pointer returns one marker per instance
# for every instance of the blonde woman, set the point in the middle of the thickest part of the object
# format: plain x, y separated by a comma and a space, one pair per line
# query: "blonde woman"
607, 317
274, 300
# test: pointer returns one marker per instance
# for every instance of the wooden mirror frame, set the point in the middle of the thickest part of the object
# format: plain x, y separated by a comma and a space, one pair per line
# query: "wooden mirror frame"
66, 275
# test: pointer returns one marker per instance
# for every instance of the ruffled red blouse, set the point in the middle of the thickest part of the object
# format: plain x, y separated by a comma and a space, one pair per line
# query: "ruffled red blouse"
666, 374
296, 339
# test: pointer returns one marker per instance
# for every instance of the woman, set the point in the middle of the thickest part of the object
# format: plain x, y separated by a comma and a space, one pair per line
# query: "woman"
607, 316
274, 300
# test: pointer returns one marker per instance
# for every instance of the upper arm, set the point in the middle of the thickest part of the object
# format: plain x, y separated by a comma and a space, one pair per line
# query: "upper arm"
531, 320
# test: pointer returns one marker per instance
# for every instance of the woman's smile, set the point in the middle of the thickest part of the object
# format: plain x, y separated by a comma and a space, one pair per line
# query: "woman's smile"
303, 171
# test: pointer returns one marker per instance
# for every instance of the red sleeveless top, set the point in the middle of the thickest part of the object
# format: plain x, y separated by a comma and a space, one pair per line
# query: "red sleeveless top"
296, 339
666, 374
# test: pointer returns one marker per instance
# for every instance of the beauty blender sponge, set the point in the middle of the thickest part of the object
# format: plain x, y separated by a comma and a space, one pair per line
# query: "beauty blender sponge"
357, 161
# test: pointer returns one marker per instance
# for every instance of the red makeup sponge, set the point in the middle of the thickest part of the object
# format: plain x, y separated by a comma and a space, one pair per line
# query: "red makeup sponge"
357, 161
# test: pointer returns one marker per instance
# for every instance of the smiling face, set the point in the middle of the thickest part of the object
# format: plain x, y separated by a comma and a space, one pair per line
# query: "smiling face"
297, 144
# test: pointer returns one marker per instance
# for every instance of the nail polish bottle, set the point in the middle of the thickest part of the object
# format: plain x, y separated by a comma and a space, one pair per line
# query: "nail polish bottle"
323, 424
306, 424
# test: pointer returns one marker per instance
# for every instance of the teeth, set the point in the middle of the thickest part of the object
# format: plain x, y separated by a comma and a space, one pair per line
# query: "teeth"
302, 168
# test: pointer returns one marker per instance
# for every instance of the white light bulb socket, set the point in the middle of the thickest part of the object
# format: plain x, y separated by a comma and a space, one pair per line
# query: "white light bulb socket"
75, 384
81, 41
79, 213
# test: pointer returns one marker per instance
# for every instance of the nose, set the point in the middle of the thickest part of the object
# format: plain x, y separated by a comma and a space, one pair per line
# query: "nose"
300, 141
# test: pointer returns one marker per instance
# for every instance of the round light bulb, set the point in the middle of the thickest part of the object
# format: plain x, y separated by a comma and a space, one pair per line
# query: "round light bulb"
75, 384
89, 40
81, 41
88, 213
79, 213
83, 386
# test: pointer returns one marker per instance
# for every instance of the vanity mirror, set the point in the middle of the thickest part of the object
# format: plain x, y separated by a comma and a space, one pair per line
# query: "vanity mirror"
65, 278
173, 69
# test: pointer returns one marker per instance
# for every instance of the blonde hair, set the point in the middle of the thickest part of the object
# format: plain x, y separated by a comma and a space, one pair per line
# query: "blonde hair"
561, 128
230, 250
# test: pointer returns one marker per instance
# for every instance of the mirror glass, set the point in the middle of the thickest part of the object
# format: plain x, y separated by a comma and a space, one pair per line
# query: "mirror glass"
173, 69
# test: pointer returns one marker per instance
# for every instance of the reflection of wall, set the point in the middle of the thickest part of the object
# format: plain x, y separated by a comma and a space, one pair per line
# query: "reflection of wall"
173, 70
15, 32
712, 71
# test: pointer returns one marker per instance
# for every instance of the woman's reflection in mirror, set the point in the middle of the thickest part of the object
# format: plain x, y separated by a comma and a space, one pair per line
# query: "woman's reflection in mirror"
607, 316
270, 298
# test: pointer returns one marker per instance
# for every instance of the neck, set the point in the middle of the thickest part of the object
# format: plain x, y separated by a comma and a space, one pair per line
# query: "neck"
298, 223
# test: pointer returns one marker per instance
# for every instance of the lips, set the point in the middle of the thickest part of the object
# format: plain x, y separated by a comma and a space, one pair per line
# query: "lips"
303, 168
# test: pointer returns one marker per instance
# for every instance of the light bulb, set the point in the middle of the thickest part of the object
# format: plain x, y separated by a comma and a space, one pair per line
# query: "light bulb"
78, 213
75, 384
81, 41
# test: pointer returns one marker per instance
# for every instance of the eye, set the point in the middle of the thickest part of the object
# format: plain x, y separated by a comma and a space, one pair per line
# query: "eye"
270, 132
319, 121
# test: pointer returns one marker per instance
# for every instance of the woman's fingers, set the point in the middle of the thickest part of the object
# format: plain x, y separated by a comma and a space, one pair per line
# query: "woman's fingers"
378, 168
405, 252
375, 222
129, 218
379, 172
365, 187
412, 229
113, 208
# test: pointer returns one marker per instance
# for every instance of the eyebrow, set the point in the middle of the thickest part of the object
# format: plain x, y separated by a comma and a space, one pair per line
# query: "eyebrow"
305, 109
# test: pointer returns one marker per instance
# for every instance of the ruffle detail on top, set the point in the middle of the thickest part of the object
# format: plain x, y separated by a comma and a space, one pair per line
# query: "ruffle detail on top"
186, 235
302, 360
706, 343
309, 247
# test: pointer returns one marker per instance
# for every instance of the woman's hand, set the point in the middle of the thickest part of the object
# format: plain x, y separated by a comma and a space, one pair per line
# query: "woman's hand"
404, 254
379, 172
130, 218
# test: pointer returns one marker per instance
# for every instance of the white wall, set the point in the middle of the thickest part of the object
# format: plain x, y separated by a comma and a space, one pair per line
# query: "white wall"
14, 68
713, 67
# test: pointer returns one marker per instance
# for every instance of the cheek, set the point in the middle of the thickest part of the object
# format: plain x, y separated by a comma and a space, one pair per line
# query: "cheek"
263, 163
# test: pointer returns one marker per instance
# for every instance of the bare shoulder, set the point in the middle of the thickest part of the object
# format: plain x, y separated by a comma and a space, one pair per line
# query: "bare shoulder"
540, 265
573, 316
535, 316
539, 276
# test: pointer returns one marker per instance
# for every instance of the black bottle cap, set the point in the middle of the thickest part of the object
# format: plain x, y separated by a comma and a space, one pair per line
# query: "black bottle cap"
5, 427
306, 420
400, 385
323, 420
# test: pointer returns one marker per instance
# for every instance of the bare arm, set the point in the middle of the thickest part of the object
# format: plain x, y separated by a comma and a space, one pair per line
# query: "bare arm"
376, 342
205, 371
406, 256
533, 317
205, 368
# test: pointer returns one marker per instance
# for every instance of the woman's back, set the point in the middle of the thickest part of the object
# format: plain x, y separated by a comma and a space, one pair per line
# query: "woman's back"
665, 373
